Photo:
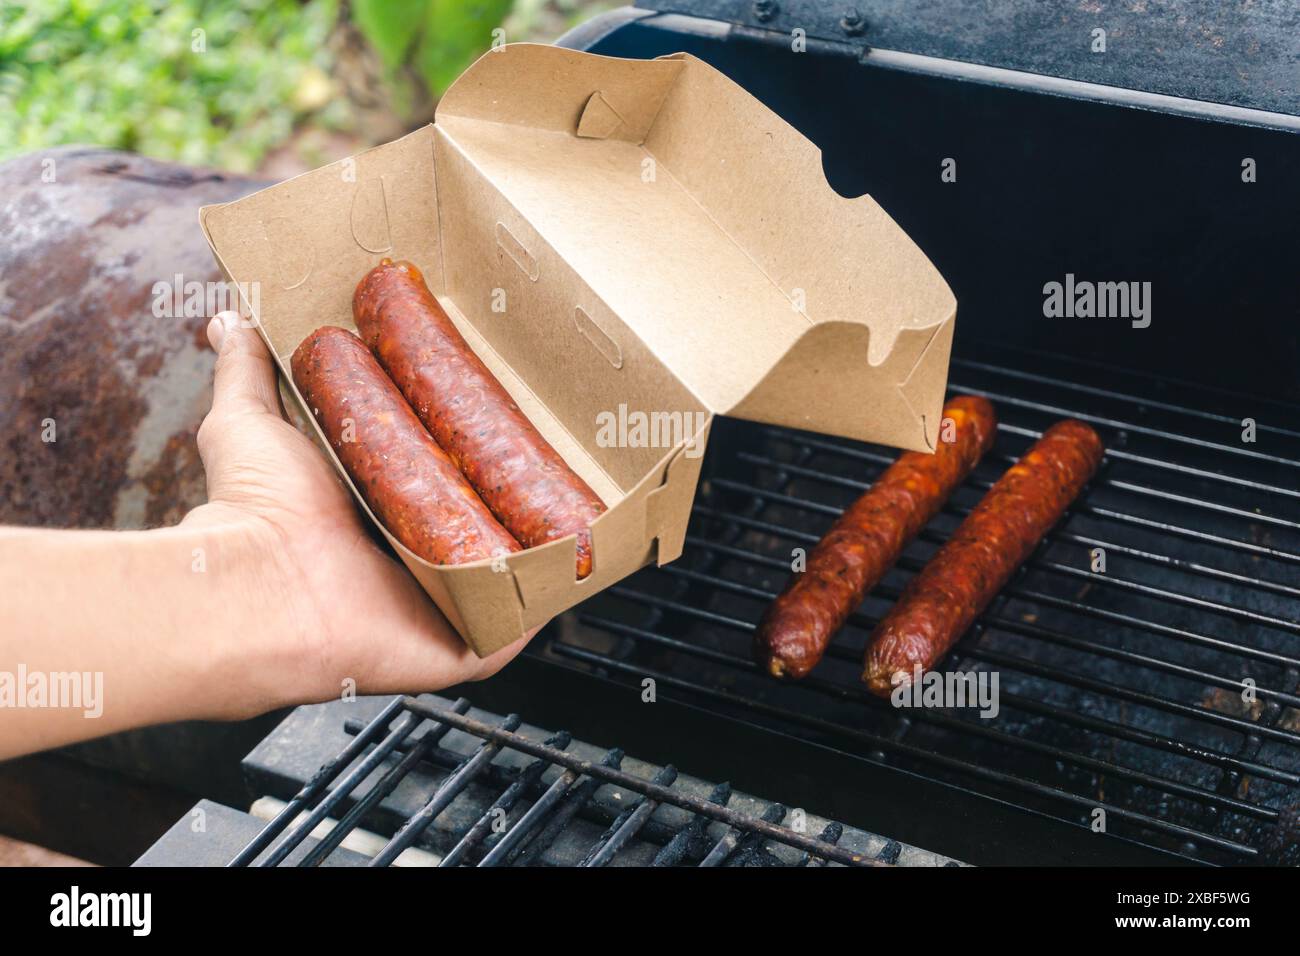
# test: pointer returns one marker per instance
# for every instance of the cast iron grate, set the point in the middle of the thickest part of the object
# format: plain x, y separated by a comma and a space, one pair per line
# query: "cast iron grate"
1162, 691
545, 794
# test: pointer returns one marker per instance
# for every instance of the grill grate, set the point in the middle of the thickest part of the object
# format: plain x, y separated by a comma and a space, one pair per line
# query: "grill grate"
555, 787
1121, 690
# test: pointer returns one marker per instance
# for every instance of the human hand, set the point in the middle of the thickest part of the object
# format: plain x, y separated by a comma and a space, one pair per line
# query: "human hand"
331, 605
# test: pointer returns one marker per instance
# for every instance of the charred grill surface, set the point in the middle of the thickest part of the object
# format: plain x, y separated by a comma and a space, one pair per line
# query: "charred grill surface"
1161, 688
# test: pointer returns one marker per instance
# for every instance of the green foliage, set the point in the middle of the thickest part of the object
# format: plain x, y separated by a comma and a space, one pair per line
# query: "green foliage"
390, 26
136, 74
438, 38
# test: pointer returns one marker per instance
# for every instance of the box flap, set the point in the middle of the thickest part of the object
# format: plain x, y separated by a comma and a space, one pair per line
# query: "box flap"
304, 243
704, 223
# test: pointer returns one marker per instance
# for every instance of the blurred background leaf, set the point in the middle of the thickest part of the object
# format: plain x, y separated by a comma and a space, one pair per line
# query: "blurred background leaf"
455, 33
391, 26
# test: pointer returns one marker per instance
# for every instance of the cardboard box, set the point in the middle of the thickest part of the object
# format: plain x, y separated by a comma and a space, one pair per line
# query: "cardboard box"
620, 241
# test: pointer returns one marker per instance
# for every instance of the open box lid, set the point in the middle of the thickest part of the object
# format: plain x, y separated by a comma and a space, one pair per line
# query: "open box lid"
654, 211
704, 222
696, 219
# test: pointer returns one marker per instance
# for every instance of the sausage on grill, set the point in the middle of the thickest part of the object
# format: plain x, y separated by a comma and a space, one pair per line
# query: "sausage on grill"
866, 540
948, 594
408, 481
513, 468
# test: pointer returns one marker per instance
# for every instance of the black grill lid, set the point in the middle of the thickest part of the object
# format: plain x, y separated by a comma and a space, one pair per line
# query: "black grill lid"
1243, 55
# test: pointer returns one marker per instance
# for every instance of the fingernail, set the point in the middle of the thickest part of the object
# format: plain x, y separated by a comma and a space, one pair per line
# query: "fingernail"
220, 327
216, 332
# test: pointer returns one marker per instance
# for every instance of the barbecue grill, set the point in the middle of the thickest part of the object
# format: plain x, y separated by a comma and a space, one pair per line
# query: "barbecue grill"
1147, 654
451, 786
1121, 690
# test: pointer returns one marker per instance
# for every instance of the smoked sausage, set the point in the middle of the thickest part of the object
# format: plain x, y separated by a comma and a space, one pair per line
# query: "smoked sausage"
867, 539
522, 479
944, 599
408, 481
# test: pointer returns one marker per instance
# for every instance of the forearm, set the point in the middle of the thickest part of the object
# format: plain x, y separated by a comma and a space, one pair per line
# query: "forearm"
271, 594
106, 630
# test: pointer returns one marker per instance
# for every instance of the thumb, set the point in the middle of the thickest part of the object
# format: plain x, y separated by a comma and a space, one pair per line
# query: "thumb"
245, 375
